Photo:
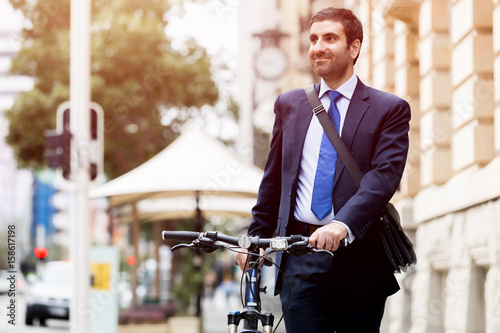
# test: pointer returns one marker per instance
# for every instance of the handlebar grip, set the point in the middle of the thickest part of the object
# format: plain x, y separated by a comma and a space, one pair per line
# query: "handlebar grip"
180, 235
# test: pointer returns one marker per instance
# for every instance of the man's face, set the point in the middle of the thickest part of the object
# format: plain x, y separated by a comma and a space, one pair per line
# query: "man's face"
329, 54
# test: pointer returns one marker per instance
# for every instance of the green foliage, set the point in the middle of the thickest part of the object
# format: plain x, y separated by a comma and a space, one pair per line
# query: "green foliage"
31, 114
136, 77
187, 288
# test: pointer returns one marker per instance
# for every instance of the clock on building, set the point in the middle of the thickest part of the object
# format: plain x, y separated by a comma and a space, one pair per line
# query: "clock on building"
271, 63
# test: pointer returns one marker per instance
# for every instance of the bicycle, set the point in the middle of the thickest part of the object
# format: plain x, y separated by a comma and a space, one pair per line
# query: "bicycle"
251, 314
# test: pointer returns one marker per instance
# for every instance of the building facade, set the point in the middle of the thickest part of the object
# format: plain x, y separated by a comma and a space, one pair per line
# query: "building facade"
443, 57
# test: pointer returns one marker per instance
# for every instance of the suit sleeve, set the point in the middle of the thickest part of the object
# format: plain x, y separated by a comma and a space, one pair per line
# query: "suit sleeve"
265, 212
386, 167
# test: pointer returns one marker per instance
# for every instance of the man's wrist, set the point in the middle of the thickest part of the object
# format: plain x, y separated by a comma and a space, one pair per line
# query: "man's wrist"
350, 236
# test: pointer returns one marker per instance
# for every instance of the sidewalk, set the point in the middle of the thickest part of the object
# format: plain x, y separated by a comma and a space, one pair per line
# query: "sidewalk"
150, 328
214, 318
173, 325
215, 311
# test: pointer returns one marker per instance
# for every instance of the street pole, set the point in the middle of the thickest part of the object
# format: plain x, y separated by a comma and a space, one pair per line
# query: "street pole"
80, 128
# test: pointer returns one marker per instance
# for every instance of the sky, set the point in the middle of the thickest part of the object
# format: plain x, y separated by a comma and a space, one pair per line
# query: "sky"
9, 19
214, 25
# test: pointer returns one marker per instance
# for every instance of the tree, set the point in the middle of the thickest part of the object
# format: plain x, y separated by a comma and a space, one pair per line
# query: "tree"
136, 78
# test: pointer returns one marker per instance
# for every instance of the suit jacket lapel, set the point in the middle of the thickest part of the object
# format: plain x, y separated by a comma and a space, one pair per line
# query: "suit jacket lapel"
302, 120
355, 112
296, 116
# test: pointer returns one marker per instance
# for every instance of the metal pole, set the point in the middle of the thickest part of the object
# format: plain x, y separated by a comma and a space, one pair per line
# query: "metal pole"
136, 229
81, 310
198, 260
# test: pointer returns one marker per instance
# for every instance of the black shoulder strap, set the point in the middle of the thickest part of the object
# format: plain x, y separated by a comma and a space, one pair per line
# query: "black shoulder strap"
332, 134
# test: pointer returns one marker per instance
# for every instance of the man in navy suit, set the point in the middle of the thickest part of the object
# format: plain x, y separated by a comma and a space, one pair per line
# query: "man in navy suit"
346, 293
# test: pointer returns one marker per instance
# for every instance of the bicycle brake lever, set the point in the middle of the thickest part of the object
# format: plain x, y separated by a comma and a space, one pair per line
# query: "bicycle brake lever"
207, 245
204, 244
181, 246
323, 251
300, 248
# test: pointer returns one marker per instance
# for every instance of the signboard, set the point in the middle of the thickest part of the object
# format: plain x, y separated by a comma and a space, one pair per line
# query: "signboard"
104, 262
101, 276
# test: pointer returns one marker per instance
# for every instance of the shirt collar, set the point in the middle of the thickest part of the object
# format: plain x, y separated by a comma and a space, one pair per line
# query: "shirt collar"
347, 89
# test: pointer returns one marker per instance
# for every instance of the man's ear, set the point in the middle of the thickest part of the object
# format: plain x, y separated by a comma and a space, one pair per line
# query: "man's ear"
354, 48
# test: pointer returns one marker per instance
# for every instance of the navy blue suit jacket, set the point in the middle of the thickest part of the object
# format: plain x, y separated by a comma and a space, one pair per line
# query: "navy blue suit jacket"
376, 133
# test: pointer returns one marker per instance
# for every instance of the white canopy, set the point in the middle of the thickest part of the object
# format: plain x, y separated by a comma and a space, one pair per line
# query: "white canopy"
194, 162
159, 209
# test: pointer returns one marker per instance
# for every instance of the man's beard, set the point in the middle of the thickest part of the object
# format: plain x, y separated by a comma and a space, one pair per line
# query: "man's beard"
336, 68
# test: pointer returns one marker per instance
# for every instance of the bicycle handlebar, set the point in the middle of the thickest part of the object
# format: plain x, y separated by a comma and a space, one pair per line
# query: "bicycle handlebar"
242, 241
209, 239
193, 235
180, 235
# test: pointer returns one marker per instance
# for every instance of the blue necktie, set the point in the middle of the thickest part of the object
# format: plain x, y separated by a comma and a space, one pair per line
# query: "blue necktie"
321, 204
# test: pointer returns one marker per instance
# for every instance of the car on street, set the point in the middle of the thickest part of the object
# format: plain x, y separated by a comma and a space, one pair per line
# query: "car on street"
49, 296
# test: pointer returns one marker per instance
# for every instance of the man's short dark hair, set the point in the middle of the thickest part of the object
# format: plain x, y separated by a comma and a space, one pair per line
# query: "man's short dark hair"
352, 26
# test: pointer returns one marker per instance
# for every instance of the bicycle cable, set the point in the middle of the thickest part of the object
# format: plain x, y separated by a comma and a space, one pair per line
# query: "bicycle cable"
260, 257
265, 256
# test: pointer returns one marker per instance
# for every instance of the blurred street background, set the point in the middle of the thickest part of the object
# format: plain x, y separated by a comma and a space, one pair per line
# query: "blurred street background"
187, 90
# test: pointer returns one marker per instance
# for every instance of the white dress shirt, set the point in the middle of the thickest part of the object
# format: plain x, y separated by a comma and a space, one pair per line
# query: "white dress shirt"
310, 155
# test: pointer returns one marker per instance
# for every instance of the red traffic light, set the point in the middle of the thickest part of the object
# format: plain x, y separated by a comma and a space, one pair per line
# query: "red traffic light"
41, 252
131, 260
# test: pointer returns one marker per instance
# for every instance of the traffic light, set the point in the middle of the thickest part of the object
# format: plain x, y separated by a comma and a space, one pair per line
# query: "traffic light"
59, 145
41, 252
59, 142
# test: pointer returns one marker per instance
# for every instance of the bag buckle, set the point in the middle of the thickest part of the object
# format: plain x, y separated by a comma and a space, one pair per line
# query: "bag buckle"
318, 109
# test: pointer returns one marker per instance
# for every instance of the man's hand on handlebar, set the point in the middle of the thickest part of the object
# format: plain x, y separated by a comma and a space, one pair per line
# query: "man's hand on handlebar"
328, 237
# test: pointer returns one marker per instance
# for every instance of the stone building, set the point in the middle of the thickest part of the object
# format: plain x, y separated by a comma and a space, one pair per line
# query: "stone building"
443, 57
